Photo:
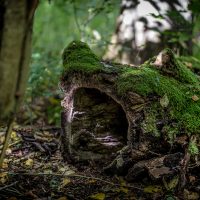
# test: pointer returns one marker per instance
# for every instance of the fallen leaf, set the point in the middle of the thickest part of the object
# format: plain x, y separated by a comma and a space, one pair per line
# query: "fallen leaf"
173, 183
5, 163
188, 64
182, 140
98, 196
29, 162
3, 177
188, 195
62, 198
65, 182
66, 171
8, 151
13, 135
153, 189
195, 98
2, 139
192, 179
122, 189
92, 181
164, 101
12, 198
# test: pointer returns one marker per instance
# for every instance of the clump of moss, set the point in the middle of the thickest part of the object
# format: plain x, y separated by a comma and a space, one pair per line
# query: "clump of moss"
180, 71
172, 80
149, 123
146, 81
191, 62
77, 56
179, 87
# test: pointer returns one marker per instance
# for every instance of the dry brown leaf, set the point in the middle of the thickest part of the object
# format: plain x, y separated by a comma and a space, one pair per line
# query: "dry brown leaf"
189, 195
3, 177
195, 98
62, 198
65, 182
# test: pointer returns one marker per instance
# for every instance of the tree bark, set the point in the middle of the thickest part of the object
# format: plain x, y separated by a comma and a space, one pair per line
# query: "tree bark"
16, 19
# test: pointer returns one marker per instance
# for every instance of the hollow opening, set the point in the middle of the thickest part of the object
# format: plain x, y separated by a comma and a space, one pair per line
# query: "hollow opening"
99, 123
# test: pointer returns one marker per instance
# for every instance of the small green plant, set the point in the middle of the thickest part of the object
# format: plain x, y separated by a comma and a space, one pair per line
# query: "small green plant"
193, 148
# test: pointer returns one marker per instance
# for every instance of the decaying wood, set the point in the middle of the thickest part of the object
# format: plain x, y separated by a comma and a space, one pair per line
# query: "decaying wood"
124, 131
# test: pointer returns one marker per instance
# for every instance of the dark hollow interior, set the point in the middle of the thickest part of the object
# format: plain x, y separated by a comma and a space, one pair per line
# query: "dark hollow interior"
99, 122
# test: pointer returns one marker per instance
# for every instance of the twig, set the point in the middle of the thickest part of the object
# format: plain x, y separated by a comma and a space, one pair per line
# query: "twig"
7, 186
73, 175
7, 139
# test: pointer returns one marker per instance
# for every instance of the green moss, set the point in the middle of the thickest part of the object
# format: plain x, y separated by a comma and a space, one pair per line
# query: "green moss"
149, 123
170, 132
77, 56
146, 81
173, 80
193, 148
179, 89
191, 62
182, 73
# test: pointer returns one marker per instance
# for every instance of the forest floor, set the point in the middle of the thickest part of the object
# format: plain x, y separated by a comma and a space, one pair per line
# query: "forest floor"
34, 169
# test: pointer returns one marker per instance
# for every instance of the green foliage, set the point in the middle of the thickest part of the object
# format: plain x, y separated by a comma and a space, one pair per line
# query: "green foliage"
55, 24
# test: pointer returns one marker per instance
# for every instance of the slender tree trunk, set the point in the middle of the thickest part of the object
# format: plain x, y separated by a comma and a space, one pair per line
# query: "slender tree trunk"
16, 19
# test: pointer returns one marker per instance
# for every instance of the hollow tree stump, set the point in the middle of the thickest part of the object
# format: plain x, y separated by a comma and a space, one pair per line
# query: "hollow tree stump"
114, 113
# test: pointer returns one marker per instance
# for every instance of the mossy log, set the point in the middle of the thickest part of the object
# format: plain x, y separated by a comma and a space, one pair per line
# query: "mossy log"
111, 109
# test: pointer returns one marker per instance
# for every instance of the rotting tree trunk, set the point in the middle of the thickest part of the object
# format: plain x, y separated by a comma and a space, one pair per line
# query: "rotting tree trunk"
117, 114
16, 19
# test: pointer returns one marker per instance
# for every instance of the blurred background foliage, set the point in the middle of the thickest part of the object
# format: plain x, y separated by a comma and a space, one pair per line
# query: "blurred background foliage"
56, 24
59, 22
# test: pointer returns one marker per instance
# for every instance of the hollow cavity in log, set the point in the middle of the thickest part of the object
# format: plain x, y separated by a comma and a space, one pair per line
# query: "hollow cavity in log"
99, 127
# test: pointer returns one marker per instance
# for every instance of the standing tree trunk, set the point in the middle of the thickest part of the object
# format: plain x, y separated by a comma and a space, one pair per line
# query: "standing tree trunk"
16, 19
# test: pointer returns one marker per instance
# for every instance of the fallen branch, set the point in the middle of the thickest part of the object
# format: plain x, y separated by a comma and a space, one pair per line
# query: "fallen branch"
7, 186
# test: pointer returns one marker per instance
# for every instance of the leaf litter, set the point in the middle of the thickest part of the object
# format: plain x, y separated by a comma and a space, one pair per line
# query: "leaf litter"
34, 169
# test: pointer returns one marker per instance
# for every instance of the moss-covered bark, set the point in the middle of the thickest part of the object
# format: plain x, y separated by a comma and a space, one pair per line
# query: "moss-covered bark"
160, 97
